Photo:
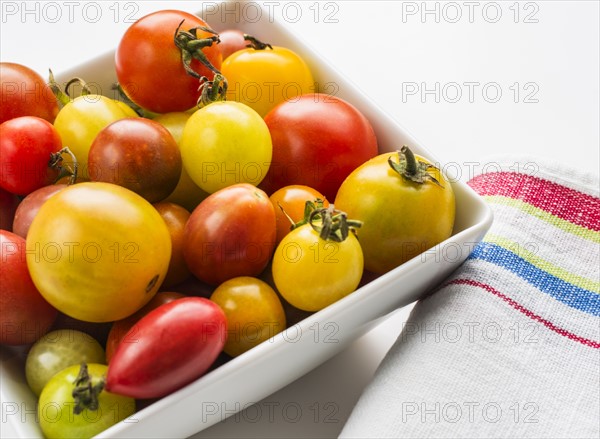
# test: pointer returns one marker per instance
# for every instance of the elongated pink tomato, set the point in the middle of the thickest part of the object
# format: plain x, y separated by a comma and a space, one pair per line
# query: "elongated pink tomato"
168, 348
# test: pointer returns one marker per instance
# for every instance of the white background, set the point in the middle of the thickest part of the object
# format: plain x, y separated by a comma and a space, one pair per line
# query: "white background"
412, 58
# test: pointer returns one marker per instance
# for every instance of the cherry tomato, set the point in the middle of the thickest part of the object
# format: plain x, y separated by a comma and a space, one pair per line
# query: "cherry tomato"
26, 144
253, 310
57, 405
226, 143
138, 154
317, 141
290, 201
186, 193
401, 217
311, 272
97, 251
230, 234
157, 80
175, 344
8, 208
56, 351
263, 78
29, 207
26, 315
231, 40
176, 218
23, 92
120, 328
80, 121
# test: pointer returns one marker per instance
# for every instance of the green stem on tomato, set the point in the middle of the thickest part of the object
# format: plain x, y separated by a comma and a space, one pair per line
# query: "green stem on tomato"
85, 395
62, 98
56, 162
256, 44
191, 48
412, 169
334, 224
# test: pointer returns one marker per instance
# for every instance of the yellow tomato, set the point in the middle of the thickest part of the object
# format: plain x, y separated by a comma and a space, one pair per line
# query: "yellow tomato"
262, 79
226, 143
401, 217
253, 310
98, 252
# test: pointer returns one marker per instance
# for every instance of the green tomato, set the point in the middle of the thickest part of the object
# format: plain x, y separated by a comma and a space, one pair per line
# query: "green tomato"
58, 412
226, 143
56, 351
81, 120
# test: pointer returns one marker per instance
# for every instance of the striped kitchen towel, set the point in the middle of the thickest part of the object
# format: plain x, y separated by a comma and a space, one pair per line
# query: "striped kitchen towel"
509, 345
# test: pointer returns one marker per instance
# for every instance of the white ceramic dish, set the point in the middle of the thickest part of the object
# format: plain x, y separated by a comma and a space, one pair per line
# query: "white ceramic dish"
289, 355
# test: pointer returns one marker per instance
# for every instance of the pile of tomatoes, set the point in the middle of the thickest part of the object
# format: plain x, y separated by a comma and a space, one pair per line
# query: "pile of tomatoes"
148, 239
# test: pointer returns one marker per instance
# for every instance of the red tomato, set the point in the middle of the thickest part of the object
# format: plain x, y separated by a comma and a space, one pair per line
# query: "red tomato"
120, 328
232, 40
138, 154
172, 345
8, 207
25, 93
26, 144
175, 218
318, 140
25, 316
149, 64
30, 206
231, 233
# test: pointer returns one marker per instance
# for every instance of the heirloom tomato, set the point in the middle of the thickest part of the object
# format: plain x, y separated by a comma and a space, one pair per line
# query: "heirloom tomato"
29, 207
26, 145
313, 268
230, 41
405, 203
253, 310
120, 328
264, 77
230, 234
226, 143
56, 351
74, 403
98, 252
80, 121
24, 92
26, 315
175, 218
138, 154
170, 347
317, 141
149, 64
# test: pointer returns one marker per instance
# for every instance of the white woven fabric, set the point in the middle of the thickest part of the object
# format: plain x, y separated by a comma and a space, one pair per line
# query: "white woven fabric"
509, 346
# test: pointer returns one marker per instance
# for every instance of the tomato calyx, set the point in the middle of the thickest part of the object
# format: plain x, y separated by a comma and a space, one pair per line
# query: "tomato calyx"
191, 48
56, 162
212, 91
64, 97
332, 224
85, 395
412, 169
256, 44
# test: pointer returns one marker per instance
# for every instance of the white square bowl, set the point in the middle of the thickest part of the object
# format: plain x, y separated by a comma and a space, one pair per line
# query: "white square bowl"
294, 352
